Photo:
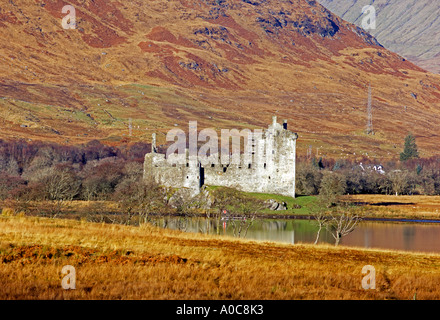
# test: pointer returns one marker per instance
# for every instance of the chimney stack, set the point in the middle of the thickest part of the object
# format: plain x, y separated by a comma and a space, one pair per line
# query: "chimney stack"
153, 143
274, 121
285, 124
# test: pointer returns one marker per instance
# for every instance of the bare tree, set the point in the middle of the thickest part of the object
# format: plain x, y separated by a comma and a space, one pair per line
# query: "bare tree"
320, 214
247, 210
341, 222
332, 185
61, 185
242, 209
140, 200
321, 219
222, 200
399, 181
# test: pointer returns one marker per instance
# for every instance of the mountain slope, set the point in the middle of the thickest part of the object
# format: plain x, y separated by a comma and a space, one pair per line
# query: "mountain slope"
224, 63
408, 27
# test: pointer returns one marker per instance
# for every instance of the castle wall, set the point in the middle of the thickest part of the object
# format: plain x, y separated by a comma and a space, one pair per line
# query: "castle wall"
272, 169
177, 176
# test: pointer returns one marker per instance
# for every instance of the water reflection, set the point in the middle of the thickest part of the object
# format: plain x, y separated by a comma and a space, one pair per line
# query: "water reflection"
408, 236
385, 235
396, 236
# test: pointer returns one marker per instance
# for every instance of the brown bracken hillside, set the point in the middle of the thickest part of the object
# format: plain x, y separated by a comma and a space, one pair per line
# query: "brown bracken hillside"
224, 63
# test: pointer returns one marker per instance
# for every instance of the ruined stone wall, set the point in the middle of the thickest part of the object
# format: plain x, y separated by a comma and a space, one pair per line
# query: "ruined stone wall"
177, 176
271, 169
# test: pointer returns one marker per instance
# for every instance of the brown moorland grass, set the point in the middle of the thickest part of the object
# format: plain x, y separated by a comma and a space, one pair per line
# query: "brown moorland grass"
126, 262
390, 206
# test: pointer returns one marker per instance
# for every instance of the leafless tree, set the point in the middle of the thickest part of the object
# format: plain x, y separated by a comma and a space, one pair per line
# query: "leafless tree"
140, 200
61, 185
332, 185
341, 222
399, 181
321, 218
320, 215
242, 209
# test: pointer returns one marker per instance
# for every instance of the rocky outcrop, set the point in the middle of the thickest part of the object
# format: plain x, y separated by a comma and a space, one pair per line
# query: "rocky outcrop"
325, 27
272, 204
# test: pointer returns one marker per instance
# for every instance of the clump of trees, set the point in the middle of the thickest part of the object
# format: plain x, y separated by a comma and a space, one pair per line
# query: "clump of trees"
56, 173
410, 177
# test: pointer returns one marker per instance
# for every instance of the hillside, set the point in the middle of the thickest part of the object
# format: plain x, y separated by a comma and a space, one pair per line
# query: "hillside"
224, 63
409, 27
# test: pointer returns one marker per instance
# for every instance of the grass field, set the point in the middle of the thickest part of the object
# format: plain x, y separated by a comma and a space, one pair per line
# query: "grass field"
371, 205
407, 207
303, 203
125, 262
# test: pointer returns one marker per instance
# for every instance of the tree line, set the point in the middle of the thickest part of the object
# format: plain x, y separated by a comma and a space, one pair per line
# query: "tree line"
95, 171
411, 177
49, 171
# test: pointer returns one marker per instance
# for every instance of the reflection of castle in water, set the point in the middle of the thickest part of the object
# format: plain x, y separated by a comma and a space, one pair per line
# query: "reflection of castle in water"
274, 226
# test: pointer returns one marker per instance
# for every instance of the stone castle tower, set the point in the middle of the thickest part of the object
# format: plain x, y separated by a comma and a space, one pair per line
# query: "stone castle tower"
270, 169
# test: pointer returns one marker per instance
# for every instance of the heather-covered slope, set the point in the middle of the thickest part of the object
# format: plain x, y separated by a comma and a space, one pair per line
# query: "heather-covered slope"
224, 63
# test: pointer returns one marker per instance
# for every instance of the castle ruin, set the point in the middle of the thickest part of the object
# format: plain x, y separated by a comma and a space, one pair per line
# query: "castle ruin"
269, 169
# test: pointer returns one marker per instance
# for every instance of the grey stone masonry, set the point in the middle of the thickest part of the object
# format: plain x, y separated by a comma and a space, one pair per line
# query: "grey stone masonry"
268, 167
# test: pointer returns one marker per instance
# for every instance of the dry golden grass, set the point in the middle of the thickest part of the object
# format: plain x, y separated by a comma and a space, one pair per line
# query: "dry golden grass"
123, 262
409, 207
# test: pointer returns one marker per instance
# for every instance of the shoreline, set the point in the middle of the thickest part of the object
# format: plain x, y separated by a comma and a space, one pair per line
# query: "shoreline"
307, 217
403, 209
310, 217
70, 215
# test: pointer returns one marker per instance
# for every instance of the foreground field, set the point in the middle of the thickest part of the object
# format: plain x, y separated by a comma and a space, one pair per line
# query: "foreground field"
124, 262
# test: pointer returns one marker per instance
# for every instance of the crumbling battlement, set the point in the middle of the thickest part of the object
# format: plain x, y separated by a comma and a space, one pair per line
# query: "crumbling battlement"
270, 169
